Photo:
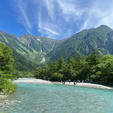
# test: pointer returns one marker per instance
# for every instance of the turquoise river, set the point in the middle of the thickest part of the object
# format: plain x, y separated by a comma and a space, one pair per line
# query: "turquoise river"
49, 98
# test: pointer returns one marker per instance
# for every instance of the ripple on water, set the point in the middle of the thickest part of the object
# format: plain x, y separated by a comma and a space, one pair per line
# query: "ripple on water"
32, 98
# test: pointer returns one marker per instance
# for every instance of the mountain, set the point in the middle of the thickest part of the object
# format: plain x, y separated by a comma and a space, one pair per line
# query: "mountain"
84, 41
40, 45
29, 50
20, 51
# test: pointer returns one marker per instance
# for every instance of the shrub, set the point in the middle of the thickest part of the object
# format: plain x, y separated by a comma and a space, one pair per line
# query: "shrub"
6, 86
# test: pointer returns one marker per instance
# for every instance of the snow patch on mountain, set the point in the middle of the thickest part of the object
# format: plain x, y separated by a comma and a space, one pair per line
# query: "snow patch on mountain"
38, 39
43, 60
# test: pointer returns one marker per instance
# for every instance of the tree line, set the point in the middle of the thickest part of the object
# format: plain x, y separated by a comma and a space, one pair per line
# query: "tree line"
6, 70
9, 71
94, 68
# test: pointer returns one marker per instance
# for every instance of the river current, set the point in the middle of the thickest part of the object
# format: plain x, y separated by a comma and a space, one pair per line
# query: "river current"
49, 98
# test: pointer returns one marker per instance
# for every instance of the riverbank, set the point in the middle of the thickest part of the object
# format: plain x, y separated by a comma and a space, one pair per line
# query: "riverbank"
39, 81
2, 95
32, 81
88, 85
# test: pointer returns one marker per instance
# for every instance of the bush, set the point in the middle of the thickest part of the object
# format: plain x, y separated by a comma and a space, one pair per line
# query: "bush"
6, 86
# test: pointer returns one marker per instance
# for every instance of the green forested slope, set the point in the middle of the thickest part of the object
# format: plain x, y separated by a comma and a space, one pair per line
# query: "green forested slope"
85, 41
21, 53
39, 44
94, 68
29, 50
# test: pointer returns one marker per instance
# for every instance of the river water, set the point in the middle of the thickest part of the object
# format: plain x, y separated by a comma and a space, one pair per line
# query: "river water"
48, 98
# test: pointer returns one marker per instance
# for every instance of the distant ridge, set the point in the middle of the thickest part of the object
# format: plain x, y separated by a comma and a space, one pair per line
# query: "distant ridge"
34, 49
84, 41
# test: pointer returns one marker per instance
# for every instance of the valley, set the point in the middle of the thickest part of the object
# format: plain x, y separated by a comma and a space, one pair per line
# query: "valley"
38, 50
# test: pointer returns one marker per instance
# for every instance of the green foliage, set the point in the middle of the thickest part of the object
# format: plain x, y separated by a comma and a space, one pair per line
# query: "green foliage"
84, 42
7, 75
6, 60
94, 57
23, 64
22, 74
6, 86
92, 68
29, 50
105, 68
6, 70
56, 77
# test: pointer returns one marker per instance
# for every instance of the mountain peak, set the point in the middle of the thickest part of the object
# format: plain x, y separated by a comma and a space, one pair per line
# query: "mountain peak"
2, 32
26, 35
103, 27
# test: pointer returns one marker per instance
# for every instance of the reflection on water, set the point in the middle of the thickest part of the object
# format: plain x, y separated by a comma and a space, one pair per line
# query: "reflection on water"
31, 98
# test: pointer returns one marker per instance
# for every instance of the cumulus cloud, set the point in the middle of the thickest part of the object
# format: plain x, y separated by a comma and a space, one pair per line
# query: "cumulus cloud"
62, 18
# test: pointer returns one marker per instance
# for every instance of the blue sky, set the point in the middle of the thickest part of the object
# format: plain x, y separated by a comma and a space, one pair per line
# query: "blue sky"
54, 18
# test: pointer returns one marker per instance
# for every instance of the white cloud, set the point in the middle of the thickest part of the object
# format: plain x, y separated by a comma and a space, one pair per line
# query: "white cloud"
50, 7
45, 27
107, 20
50, 30
24, 17
70, 10
99, 14
61, 18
